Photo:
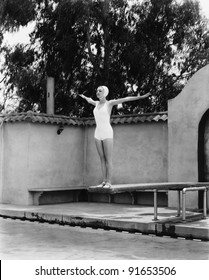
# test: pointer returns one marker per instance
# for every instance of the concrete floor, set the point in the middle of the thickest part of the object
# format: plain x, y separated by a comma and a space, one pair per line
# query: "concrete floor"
41, 241
114, 216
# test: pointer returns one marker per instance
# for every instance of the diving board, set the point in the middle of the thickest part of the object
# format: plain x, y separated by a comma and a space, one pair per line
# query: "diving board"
183, 187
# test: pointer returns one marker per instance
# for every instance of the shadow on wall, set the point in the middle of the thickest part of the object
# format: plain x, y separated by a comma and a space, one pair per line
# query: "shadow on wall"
203, 153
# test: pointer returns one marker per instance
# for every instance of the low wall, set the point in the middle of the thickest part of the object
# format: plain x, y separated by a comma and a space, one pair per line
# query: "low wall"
34, 156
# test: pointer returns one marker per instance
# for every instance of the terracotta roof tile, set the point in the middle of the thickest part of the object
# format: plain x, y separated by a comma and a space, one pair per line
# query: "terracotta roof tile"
65, 120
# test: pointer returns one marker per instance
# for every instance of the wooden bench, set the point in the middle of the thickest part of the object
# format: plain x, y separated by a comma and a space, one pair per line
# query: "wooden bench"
181, 187
36, 193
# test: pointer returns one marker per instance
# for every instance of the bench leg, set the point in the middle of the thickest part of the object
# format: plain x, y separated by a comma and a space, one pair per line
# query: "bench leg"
76, 195
36, 196
155, 205
110, 198
133, 198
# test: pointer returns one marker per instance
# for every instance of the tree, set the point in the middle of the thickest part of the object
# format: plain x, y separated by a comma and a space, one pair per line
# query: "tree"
166, 34
151, 46
13, 14
16, 13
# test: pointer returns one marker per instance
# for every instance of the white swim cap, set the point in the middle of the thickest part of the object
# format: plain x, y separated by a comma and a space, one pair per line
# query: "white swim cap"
105, 90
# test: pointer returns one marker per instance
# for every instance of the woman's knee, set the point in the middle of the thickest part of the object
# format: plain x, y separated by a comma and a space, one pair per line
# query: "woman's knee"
108, 162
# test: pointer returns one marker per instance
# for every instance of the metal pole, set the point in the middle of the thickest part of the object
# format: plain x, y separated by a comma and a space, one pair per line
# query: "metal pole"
184, 204
179, 204
204, 204
155, 205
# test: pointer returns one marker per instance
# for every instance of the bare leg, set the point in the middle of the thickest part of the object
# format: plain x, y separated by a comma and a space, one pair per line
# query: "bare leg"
100, 150
108, 150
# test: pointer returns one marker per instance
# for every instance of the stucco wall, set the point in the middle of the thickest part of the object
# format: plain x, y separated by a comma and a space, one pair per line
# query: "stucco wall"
140, 154
35, 157
184, 115
14, 162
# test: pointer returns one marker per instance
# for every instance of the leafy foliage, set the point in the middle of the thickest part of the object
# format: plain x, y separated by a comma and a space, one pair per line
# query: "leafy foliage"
23, 76
16, 13
151, 46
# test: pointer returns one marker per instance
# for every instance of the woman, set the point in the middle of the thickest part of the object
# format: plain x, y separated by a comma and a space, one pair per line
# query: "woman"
104, 132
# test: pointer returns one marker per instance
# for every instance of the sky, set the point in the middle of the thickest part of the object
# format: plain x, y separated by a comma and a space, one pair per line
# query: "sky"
22, 36
204, 4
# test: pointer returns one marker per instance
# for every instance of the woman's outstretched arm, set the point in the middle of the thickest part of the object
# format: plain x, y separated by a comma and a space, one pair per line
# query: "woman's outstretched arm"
127, 99
88, 99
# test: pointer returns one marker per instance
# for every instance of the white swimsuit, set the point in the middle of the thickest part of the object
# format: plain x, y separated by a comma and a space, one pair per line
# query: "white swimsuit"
102, 117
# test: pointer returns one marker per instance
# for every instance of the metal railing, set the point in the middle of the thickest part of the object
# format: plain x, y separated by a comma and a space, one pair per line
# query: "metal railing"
184, 190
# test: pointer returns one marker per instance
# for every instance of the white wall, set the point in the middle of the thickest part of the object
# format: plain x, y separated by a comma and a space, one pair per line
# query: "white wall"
35, 157
184, 115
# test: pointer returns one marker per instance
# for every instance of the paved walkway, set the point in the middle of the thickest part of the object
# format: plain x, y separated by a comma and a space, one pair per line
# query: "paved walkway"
114, 216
